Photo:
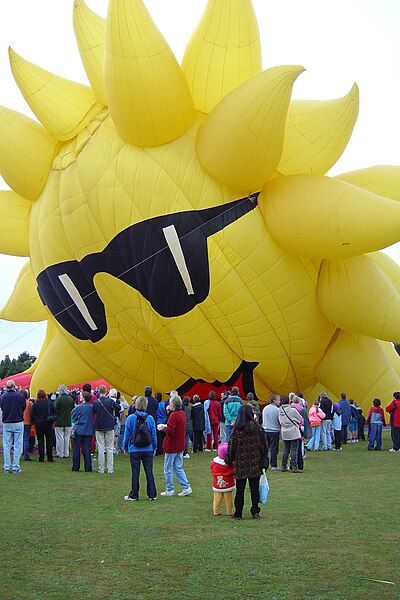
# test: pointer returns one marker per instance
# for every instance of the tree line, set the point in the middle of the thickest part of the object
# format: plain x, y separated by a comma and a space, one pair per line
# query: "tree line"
11, 366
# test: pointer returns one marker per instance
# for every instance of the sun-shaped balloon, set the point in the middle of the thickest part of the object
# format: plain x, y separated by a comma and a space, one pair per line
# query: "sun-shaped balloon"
180, 223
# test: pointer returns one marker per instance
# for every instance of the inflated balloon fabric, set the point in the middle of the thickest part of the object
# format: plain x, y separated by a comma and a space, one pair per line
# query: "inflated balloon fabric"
180, 222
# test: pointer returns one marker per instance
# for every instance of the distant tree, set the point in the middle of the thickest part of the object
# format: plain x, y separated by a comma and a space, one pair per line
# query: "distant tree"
10, 366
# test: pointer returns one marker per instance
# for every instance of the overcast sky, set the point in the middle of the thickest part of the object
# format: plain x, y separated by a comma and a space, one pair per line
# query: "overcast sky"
338, 43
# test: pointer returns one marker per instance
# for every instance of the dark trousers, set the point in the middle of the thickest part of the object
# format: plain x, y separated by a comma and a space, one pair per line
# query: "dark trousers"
187, 440
45, 430
146, 458
27, 432
292, 448
273, 445
396, 438
344, 434
198, 441
254, 483
337, 434
160, 440
84, 442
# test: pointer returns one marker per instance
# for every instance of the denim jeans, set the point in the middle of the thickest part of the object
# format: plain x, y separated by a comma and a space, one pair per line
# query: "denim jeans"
228, 434
375, 435
173, 463
313, 444
145, 458
27, 432
326, 434
120, 441
273, 446
12, 436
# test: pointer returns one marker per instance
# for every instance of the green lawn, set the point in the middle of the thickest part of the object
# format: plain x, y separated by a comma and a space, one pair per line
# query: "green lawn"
324, 534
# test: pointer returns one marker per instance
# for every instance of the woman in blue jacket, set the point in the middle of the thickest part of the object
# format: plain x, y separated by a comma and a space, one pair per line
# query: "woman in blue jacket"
82, 417
139, 428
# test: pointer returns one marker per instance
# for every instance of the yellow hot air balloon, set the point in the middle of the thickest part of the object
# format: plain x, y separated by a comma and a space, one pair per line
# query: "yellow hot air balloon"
180, 222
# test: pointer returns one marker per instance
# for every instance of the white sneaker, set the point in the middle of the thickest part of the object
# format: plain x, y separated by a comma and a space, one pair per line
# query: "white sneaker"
185, 492
207, 450
393, 450
168, 493
274, 469
186, 456
131, 499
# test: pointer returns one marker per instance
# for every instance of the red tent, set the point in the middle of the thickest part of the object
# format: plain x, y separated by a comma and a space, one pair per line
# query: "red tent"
24, 380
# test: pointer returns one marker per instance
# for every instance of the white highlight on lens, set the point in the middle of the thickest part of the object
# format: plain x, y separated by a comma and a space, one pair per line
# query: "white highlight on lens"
174, 245
78, 300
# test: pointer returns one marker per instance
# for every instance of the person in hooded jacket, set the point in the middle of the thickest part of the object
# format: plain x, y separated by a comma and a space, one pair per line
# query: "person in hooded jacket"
248, 452
231, 408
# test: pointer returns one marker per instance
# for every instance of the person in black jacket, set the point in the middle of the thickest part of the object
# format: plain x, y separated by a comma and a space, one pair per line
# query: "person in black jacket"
13, 406
43, 416
198, 423
326, 405
152, 403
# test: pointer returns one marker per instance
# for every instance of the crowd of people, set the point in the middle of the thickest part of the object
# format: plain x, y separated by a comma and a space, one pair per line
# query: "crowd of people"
245, 435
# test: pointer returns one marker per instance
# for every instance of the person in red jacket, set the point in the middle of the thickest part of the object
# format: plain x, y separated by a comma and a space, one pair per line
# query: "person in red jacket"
394, 410
215, 413
223, 482
174, 445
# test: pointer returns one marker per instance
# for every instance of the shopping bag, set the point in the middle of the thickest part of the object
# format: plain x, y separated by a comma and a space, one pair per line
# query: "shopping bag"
264, 488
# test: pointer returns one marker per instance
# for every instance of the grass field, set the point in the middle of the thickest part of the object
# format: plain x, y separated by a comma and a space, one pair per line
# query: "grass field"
324, 534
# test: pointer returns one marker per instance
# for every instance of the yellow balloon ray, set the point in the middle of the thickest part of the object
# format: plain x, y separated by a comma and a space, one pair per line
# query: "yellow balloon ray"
223, 52
147, 93
328, 218
51, 332
389, 268
24, 303
14, 224
383, 180
62, 106
241, 141
317, 133
357, 365
26, 152
90, 32
355, 295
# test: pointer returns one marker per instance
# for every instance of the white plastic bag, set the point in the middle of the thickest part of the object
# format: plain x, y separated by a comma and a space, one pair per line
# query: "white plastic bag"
264, 488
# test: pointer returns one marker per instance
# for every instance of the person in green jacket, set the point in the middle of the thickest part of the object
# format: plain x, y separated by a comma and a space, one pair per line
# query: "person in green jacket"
231, 408
64, 405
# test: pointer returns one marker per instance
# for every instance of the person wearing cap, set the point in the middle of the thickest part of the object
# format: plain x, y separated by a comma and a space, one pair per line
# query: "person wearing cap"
223, 482
13, 406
